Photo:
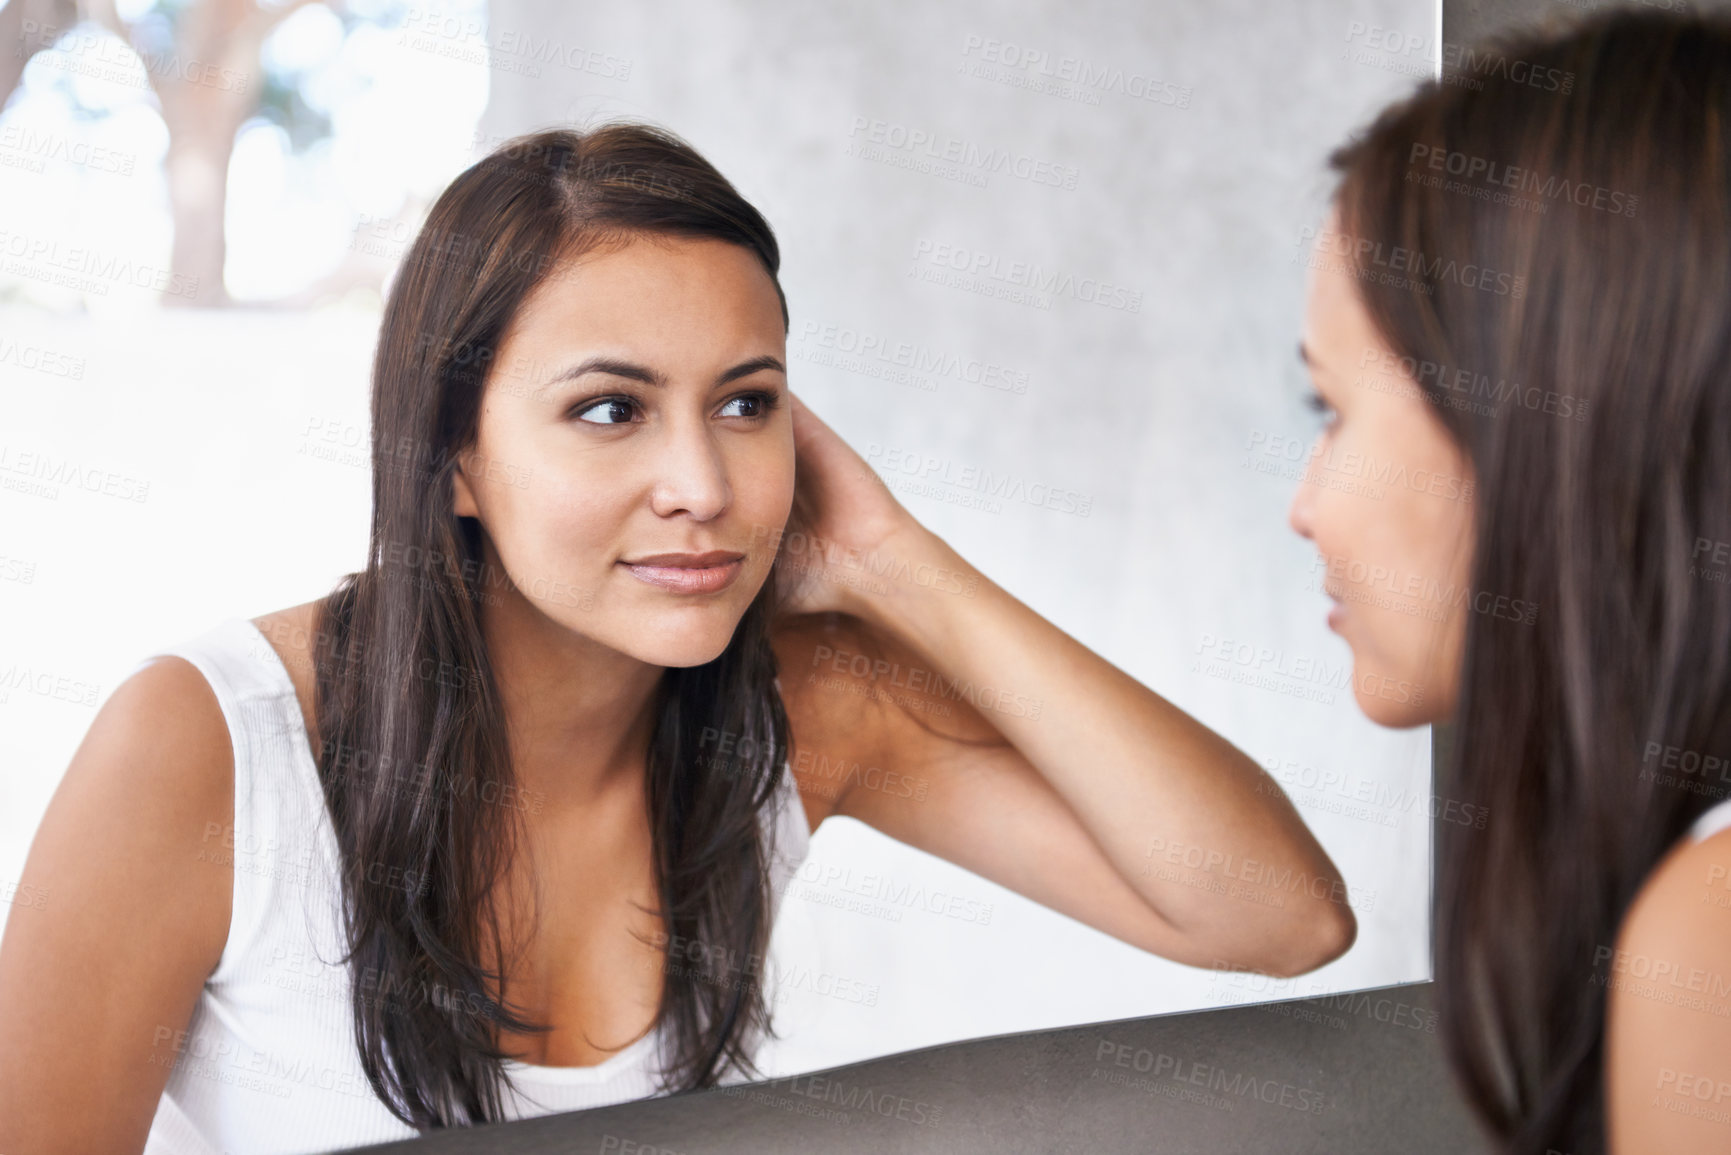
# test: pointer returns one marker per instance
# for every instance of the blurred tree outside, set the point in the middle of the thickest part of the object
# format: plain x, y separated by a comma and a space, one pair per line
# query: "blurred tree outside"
208, 67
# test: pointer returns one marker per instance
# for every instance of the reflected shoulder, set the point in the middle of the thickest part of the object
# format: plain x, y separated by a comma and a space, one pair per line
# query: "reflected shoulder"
1667, 984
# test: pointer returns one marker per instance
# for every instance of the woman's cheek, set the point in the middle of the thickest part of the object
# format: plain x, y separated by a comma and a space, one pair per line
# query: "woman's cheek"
763, 495
552, 530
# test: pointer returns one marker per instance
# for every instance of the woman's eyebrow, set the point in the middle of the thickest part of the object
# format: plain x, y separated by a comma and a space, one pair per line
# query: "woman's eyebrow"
747, 368
614, 367
611, 366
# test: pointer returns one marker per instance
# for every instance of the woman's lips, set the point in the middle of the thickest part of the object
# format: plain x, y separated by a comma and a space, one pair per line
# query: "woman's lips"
1336, 609
701, 573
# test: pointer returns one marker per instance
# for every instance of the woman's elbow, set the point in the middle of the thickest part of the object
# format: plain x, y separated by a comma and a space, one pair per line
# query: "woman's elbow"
1327, 934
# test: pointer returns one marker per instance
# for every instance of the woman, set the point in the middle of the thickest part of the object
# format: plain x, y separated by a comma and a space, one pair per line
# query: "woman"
1526, 287
558, 784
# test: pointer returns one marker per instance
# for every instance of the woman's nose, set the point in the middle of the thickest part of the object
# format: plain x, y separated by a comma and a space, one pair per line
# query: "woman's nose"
691, 474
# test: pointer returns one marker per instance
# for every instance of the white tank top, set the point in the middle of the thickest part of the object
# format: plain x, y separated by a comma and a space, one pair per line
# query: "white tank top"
1711, 821
268, 1061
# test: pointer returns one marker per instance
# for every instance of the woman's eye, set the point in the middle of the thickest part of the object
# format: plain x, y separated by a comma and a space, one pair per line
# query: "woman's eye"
749, 405
612, 410
1315, 403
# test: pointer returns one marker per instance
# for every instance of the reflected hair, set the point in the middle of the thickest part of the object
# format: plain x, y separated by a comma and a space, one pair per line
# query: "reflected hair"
411, 752
1596, 414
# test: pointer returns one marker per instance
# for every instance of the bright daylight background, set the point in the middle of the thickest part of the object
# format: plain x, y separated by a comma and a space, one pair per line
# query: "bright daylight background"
186, 329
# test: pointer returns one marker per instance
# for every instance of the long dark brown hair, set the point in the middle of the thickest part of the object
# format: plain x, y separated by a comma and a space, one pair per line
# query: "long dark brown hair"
1547, 234
412, 751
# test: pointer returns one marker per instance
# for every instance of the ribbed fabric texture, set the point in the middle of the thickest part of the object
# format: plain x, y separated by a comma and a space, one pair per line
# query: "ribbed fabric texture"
268, 1063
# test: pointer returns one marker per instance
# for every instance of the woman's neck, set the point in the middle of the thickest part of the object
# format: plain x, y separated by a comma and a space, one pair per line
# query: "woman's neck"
578, 714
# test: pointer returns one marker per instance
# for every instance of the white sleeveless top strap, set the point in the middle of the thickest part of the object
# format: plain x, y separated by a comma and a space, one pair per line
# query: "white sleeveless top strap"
268, 1062
1712, 821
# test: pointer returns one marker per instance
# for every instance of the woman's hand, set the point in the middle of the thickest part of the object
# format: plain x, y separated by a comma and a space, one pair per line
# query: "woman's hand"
839, 544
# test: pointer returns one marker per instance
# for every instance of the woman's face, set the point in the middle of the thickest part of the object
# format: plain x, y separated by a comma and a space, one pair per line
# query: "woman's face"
1386, 498
635, 450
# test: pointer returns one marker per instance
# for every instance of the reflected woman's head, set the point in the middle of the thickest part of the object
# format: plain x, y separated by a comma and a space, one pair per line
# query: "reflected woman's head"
580, 370
638, 402
1386, 499
1527, 284
595, 334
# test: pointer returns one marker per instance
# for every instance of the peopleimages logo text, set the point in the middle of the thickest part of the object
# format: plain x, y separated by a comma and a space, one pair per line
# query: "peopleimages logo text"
1394, 261
991, 267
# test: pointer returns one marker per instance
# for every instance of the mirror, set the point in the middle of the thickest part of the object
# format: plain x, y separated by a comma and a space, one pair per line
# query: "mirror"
1045, 274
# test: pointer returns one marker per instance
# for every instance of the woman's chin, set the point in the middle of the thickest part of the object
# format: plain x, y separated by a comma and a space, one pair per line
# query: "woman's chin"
1394, 702
679, 652
1391, 715
1397, 693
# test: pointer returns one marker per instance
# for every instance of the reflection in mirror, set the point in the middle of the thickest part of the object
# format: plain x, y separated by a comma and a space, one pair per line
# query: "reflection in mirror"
884, 626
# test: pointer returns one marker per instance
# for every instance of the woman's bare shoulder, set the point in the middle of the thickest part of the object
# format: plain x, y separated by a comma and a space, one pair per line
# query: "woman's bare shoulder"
132, 865
1683, 909
825, 724
856, 696
291, 633
1667, 982
158, 760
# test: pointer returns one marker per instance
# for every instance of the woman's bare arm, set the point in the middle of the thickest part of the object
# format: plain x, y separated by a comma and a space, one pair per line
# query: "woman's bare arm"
1094, 795
121, 919
1186, 850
